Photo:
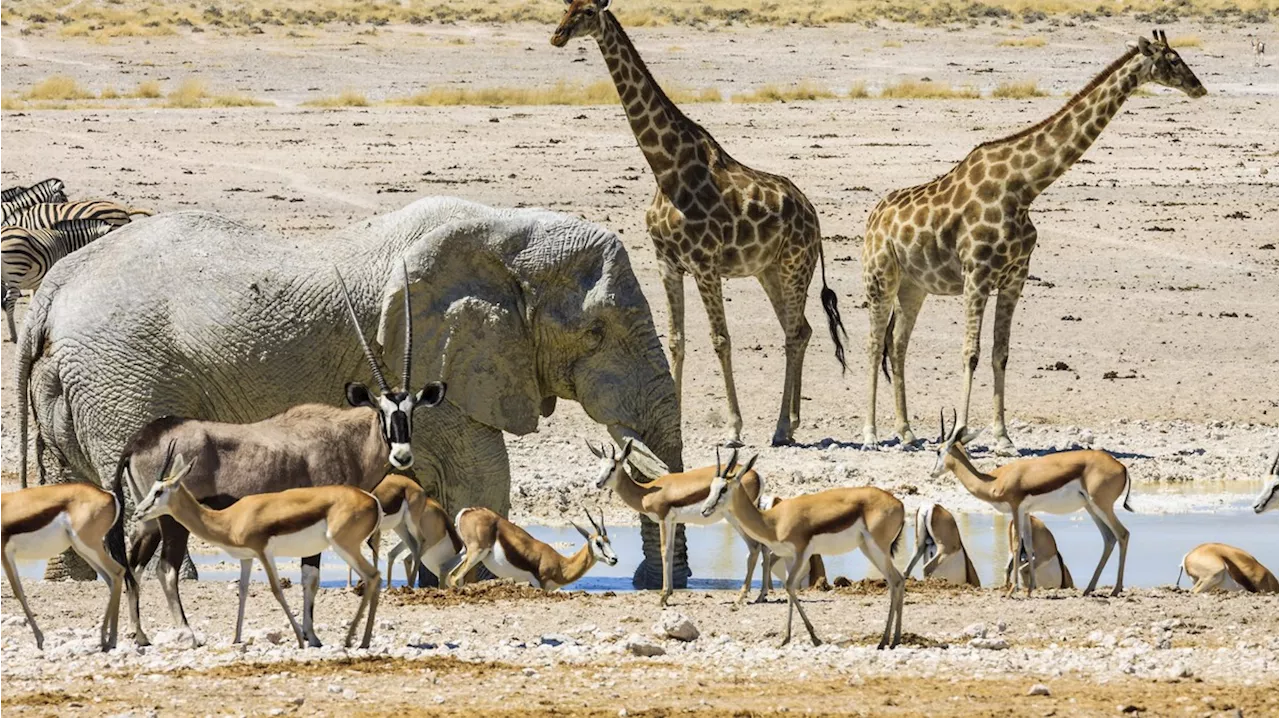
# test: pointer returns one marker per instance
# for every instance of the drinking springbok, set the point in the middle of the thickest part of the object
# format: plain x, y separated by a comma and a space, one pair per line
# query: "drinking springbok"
424, 528
307, 445
1051, 569
43, 521
938, 543
1269, 499
294, 522
508, 551
1217, 566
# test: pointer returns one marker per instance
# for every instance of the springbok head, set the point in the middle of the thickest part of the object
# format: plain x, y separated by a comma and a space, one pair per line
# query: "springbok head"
598, 539
168, 483
612, 464
394, 406
725, 482
1269, 499
948, 440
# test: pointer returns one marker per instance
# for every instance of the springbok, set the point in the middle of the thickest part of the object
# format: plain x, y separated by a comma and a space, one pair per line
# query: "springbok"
294, 522
424, 528
1217, 566
1051, 569
1060, 483
1269, 499
307, 445
812, 574
676, 499
43, 521
828, 522
938, 542
508, 551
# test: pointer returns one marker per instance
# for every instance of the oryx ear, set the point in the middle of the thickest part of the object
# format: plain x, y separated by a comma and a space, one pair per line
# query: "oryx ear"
358, 395
431, 395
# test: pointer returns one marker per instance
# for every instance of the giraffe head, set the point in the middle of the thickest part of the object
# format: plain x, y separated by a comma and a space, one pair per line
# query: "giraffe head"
1167, 67
582, 18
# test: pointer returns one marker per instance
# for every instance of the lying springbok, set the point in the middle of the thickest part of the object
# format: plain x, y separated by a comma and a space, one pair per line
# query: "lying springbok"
676, 499
828, 522
1217, 566
508, 551
307, 445
1269, 499
43, 521
424, 528
1051, 569
938, 542
1060, 483
295, 522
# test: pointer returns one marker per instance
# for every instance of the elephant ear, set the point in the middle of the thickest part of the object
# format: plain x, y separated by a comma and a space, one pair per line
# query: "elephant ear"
469, 325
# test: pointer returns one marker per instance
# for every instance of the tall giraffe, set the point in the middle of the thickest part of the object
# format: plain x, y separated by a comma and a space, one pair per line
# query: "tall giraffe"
714, 218
968, 232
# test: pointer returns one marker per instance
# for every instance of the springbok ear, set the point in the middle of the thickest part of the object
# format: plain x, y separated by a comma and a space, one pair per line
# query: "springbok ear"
358, 395
431, 395
180, 469
965, 435
585, 533
747, 467
627, 446
1144, 46
594, 451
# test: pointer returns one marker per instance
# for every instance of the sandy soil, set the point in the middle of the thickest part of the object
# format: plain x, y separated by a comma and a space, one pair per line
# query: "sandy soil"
1160, 247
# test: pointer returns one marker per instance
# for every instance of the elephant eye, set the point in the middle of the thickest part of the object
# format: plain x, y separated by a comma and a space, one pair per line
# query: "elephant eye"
595, 336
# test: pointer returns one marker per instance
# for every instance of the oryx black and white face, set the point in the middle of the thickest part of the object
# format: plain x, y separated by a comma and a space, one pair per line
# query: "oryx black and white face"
395, 414
598, 539
394, 406
1269, 499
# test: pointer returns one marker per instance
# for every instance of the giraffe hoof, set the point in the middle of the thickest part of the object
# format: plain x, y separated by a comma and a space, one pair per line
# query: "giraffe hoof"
1005, 447
733, 443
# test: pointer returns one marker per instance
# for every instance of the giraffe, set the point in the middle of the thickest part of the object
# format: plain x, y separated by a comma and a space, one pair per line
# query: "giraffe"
968, 232
714, 218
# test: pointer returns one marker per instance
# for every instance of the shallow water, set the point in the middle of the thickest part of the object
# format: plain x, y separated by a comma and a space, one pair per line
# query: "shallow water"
718, 555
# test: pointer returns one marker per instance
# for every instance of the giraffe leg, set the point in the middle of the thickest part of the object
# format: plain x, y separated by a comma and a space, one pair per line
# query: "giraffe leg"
711, 288
673, 283
881, 281
910, 299
787, 295
1006, 302
976, 293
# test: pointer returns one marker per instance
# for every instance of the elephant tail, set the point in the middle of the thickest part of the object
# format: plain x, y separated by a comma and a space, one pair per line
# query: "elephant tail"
834, 324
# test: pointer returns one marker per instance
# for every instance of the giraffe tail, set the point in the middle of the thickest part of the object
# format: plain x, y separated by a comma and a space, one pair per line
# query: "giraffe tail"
834, 323
884, 352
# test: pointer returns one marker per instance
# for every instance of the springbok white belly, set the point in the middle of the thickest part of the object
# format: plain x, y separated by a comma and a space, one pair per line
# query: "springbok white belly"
499, 565
391, 522
780, 572
834, 544
307, 542
435, 557
1064, 500
46, 542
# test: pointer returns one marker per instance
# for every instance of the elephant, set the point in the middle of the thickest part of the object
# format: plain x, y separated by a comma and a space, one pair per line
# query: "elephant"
192, 314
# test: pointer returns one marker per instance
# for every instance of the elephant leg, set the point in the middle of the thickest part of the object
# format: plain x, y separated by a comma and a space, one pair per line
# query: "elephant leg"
648, 575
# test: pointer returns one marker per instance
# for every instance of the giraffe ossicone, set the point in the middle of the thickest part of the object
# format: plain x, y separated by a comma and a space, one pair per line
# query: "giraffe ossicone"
968, 232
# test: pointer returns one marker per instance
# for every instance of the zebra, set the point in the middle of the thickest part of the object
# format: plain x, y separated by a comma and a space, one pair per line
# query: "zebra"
27, 254
46, 215
15, 199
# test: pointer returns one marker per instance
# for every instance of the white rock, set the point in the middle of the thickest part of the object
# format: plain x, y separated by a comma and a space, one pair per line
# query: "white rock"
990, 644
349, 694
640, 646
976, 630
675, 625
1038, 689
335, 688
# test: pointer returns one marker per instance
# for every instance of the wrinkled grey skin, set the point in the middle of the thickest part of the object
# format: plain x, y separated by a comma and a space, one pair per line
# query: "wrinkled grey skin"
192, 314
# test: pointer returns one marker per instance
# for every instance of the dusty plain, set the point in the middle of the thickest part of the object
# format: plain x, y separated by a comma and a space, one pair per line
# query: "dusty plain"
1156, 265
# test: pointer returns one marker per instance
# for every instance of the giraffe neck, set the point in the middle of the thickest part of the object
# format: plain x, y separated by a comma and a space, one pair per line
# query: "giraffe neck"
1055, 144
659, 126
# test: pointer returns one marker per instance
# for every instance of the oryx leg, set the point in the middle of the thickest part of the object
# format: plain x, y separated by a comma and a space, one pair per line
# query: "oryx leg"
173, 550
310, 586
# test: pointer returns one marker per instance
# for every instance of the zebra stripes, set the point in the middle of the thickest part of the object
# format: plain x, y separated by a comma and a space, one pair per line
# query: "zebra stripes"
27, 254
46, 215
19, 198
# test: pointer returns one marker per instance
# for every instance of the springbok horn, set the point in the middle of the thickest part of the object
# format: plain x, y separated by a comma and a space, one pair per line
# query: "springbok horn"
955, 426
364, 344
603, 530
733, 461
747, 467
591, 520
168, 461
717, 461
408, 327
942, 426
594, 451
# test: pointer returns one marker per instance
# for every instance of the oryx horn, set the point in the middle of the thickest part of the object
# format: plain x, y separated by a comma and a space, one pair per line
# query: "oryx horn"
408, 327
168, 461
364, 344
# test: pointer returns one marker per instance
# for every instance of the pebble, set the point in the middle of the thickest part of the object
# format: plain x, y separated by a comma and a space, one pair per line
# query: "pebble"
1038, 689
976, 630
675, 625
990, 644
639, 646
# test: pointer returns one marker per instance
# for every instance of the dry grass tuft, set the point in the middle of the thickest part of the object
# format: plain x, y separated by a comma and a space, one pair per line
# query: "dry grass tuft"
891, 43
682, 95
10, 102
858, 91
347, 98
1186, 41
916, 90
1032, 41
803, 90
147, 89
1018, 90
191, 93
601, 92
58, 87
